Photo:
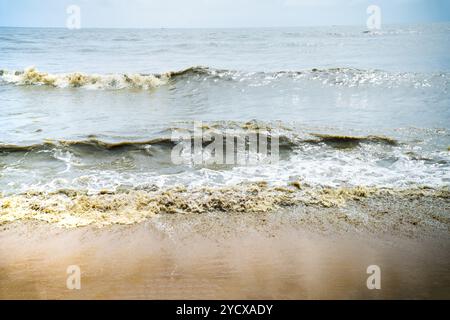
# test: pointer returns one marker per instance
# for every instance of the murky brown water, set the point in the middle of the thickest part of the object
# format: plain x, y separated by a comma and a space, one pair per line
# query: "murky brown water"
162, 260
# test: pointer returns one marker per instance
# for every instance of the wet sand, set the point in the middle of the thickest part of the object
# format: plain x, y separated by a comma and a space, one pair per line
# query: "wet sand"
302, 252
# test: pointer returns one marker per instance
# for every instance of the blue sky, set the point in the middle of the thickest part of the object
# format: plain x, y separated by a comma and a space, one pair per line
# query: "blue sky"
218, 13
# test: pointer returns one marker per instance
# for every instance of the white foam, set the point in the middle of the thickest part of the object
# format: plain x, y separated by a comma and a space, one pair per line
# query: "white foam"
31, 76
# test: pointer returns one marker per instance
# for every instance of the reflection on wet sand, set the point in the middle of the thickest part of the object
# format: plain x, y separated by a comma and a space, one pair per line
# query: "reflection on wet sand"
225, 259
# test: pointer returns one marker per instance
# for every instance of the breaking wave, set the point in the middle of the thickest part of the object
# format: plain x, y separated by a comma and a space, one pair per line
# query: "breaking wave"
103, 163
92, 144
75, 208
287, 141
341, 77
32, 76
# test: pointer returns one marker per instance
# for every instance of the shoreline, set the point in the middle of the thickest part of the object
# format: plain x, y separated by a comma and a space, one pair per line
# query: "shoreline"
301, 252
423, 209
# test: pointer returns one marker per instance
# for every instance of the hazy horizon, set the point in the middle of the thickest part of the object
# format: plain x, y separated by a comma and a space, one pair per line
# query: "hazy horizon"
231, 27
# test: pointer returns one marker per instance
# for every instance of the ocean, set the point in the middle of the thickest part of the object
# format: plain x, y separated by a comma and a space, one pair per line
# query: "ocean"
93, 112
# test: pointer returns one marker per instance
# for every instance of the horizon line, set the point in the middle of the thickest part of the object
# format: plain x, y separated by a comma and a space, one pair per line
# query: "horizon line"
229, 27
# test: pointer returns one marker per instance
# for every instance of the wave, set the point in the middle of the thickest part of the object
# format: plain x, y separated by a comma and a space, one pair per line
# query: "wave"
72, 208
353, 141
31, 76
286, 141
345, 77
320, 159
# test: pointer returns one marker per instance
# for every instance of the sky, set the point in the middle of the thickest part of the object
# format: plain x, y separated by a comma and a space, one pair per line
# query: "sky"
218, 13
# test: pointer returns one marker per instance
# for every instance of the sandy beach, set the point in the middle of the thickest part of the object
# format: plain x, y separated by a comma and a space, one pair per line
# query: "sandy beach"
300, 252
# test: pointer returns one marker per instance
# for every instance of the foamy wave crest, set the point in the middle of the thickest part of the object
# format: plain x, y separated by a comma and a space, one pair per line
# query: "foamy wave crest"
31, 76
340, 77
71, 208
